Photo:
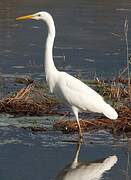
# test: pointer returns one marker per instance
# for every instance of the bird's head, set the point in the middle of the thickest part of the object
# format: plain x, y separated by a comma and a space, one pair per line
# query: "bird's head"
37, 16
44, 16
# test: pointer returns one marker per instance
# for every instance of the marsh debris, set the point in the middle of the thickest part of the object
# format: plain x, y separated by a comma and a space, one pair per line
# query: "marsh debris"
30, 100
121, 125
33, 100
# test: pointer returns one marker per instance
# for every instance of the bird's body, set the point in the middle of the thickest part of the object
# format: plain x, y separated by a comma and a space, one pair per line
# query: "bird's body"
72, 91
78, 95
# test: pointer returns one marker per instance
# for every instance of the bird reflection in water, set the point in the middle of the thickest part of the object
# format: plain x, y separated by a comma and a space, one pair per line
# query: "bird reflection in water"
94, 170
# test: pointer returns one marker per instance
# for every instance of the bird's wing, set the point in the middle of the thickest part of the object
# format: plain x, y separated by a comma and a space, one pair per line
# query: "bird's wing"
76, 93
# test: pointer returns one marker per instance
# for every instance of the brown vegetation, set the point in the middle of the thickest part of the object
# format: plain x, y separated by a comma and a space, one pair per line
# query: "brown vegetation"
30, 100
122, 124
33, 100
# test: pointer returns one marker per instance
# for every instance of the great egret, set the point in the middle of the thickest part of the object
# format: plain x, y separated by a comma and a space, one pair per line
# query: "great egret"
78, 170
72, 91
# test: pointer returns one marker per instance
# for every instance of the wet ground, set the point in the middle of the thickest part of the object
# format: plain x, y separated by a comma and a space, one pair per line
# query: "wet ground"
90, 41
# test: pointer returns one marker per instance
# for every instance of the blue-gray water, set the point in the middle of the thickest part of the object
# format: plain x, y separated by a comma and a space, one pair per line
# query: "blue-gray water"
90, 34
42, 155
90, 41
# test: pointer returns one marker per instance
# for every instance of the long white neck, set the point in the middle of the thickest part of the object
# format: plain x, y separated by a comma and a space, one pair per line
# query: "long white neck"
49, 63
50, 70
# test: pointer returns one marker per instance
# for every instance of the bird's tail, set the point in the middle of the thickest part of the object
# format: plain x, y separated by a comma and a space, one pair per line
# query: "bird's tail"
110, 112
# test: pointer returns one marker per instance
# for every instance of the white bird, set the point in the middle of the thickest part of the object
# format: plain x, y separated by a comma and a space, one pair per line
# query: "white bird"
77, 170
72, 91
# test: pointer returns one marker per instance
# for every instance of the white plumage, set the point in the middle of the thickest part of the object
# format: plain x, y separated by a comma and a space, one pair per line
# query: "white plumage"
78, 95
86, 170
72, 91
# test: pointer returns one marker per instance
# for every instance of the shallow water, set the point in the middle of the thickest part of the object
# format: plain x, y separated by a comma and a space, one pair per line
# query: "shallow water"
42, 155
90, 41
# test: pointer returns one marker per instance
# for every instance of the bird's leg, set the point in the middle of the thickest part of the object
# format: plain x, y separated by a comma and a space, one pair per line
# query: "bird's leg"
79, 127
75, 111
80, 130
113, 127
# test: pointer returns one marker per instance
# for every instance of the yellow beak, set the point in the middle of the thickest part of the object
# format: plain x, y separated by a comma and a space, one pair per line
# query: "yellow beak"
24, 17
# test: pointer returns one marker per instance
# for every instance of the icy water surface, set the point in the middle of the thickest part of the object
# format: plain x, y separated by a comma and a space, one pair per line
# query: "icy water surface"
90, 41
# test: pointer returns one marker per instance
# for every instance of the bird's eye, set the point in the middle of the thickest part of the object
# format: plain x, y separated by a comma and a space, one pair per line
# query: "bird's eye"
39, 15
